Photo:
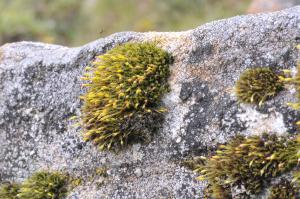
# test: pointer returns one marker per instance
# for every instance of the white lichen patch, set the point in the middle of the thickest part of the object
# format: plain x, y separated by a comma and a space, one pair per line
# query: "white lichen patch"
258, 123
176, 113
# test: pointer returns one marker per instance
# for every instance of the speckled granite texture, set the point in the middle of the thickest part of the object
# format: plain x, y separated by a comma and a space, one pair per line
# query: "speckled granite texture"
40, 87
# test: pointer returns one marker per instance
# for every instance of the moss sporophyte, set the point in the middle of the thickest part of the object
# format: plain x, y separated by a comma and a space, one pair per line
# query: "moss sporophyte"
124, 90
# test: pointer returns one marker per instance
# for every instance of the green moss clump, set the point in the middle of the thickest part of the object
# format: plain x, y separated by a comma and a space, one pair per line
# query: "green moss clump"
9, 191
250, 162
257, 85
125, 86
283, 190
44, 185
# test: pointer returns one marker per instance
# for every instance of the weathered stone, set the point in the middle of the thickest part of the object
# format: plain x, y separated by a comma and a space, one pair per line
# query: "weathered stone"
40, 87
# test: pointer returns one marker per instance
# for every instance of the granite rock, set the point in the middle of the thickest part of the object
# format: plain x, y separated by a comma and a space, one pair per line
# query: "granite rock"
40, 87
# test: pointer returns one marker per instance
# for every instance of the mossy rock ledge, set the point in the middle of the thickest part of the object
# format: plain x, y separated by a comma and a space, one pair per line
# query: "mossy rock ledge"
41, 85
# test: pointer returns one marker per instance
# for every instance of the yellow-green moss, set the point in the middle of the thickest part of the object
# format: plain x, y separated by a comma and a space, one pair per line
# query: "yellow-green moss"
44, 185
284, 190
101, 171
9, 191
124, 89
295, 81
257, 85
250, 162
41, 185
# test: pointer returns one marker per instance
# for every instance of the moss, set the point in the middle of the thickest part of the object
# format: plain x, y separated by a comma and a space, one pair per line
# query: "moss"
217, 191
257, 85
248, 162
194, 162
41, 185
74, 182
295, 81
44, 185
101, 171
287, 78
9, 191
124, 89
283, 190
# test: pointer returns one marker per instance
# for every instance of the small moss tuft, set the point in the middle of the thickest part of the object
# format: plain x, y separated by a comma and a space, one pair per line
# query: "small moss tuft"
287, 78
257, 85
125, 86
9, 191
283, 190
295, 81
101, 171
193, 163
44, 185
248, 162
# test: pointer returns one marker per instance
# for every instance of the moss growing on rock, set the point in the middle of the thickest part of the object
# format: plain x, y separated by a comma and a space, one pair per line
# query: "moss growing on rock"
257, 85
124, 89
295, 81
41, 185
44, 185
9, 191
284, 190
248, 162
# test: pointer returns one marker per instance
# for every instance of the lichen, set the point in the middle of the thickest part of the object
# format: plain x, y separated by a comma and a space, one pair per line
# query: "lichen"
284, 190
9, 190
249, 162
124, 88
257, 85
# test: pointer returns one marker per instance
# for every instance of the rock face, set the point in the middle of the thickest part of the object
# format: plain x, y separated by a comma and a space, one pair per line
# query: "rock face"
40, 87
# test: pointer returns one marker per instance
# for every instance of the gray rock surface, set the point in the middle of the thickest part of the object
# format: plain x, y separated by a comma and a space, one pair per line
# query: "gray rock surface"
40, 87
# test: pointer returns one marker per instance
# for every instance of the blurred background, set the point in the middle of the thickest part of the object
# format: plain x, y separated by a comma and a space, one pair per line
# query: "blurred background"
76, 22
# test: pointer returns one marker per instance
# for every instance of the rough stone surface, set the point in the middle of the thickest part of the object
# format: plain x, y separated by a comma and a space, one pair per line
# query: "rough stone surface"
40, 87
